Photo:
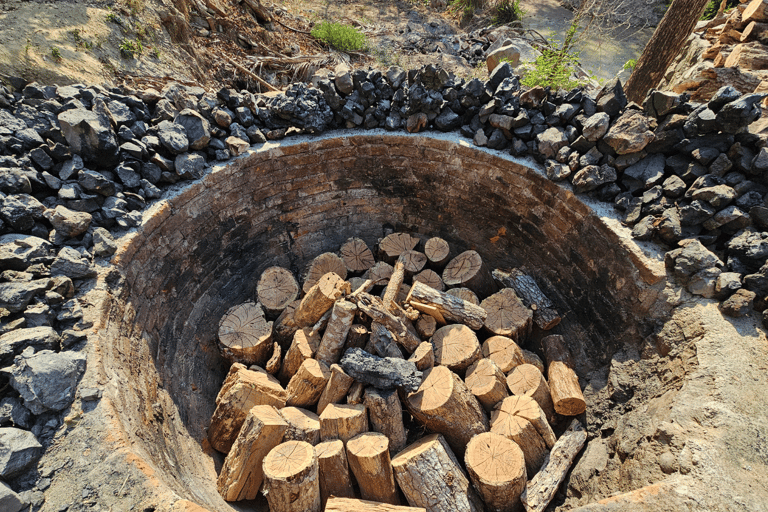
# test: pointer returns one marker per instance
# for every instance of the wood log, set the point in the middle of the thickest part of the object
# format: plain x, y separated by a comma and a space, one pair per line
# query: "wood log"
374, 308
352, 505
245, 336
343, 421
320, 298
451, 308
242, 390
468, 270
426, 326
757, 10
260, 12
334, 470
392, 246
273, 364
382, 342
356, 255
555, 349
566, 393
543, 486
506, 422
303, 425
444, 405
544, 313
321, 324
507, 316
526, 407
399, 298
430, 476
336, 389
504, 352
527, 380
414, 262
379, 273
755, 31
752, 56
357, 337
437, 251
332, 344
456, 346
464, 294
486, 381
306, 386
430, 278
531, 358
423, 357
322, 265
291, 478
496, 466
369, 460
285, 326
383, 373
385, 413
392, 291
303, 347
241, 474
355, 395
276, 289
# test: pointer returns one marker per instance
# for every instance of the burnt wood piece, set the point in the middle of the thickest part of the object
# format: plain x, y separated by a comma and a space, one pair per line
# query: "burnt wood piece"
357, 337
468, 270
382, 341
383, 373
356, 255
450, 308
426, 325
544, 313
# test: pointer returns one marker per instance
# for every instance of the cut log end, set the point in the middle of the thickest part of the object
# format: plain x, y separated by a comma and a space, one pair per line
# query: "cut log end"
356, 255
322, 265
276, 289
244, 334
456, 346
465, 294
468, 270
392, 246
431, 279
504, 352
507, 316
369, 460
291, 478
496, 465
437, 251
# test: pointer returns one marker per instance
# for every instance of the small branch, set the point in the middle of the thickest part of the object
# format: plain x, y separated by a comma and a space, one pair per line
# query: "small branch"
258, 79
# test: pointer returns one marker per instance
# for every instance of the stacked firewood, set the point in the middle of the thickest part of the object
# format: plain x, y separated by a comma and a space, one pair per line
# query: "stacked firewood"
314, 410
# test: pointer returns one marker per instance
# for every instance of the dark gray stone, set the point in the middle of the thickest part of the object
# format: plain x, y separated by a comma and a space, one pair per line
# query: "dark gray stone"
173, 137
592, 176
93, 181
596, 126
735, 116
70, 263
693, 258
447, 120
696, 213
14, 342
90, 136
128, 176
611, 98
718, 196
13, 413
725, 94
674, 187
383, 373
21, 211
644, 229
15, 296
739, 304
648, 171
103, 242
703, 282
17, 252
71, 167
14, 180
197, 128
750, 246
669, 229
19, 450
190, 166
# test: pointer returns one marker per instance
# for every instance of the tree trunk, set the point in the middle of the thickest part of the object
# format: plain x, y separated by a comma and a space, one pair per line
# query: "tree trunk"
369, 461
506, 422
449, 307
244, 334
426, 326
395, 244
303, 347
666, 42
468, 270
507, 315
334, 470
423, 357
291, 478
320, 298
465, 294
496, 466
273, 365
430, 278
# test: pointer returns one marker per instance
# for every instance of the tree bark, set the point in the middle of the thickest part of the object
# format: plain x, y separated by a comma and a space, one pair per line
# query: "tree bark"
343, 422
303, 425
334, 470
336, 389
450, 307
291, 478
496, 466
369, 461
667, 40
385, 413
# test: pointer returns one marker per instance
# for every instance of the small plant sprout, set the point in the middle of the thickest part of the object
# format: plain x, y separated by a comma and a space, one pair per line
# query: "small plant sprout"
56, 53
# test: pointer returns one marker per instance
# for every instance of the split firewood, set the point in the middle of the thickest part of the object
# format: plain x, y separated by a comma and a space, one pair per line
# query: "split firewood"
340, 421
504, 352
542, 487
242, 390
322, 265
496, 466
413, 261
563, 382
385, 413
392, 246
336, 389
423, 357
526, 407
383, 373
245, 336
468, 270
355, 395
332, 344
449, 307
379, 273
544, 313
527, 380
444, 405
430, 278
306, 386
285, 325
382, 342
291, 478
392, 290
430, 476
274, 362
486, 381
426, 326
465, 294
356, 255
321, 324
353, 505
437, 251
276, 289
320, 298
374, 308
456, 346
357, 337
368, 455
241, 475
303, 347
303, 425
506, 422
507, 316
334, 470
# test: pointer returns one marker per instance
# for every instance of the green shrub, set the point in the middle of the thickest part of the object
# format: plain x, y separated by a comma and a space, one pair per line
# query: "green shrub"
340, 37
56, 53
710, 11
129, 49
554, 67
507, 11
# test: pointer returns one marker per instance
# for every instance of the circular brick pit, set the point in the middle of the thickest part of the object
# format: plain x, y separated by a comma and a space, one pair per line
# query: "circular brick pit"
202, 250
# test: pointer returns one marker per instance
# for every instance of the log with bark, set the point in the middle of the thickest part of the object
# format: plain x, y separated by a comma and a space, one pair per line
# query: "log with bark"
385, 413
259, 11
504, 352
368, 455
339, 421
285, 325
456, 346
303, 425
382, 342
437, 251
356, 255
336, 389
469, 271
496, 466
527, 380
383, 373
320, 298
291, 478
423, 357
335, 336
303, 347
542, 487
486, 381
353, 505
241, 475
464, 294
449, 307
444, 405
322, 265
242, 390
306, 386
275, 361
544, 313
563, 382
506, 422
357, 337
276, 289
507, 316
430, 476
374, 308
426, 326
392, 246
334, 470
245, 336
